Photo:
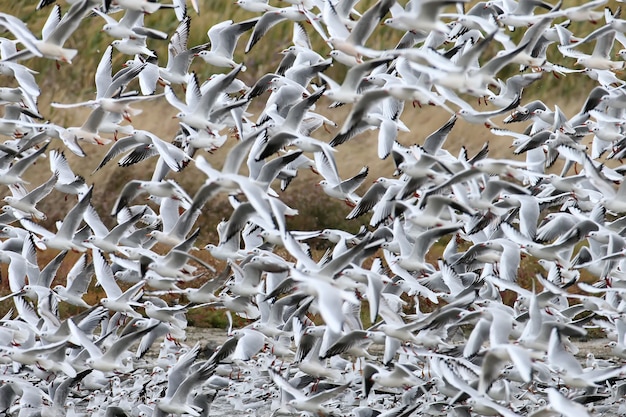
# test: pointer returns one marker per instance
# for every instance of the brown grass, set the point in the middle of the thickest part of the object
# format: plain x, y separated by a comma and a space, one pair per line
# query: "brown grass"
75, 82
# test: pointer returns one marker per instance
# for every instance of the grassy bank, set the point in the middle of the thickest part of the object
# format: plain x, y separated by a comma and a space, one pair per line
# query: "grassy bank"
71, 83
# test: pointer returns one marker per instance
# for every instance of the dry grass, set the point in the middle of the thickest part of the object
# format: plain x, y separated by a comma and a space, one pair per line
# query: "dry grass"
75, 82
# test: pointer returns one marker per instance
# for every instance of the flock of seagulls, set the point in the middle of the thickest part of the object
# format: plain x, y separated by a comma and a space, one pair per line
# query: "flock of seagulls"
347, 332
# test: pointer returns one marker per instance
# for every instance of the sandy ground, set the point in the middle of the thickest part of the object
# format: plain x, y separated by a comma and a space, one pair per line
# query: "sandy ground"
209, 339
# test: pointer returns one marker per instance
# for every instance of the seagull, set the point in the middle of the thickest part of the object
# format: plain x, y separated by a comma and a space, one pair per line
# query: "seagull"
147, 145
179, 57
347, 92
599, 58
51, 46
103, 239
130, 26
470, 115
360, 110
223, 37
133, 46
34, 355
110, 360
22, 74
88, 131
68, 182
64, 239
271, 18
115, 105
175, 402
399, 377
583, 12
78, 281
198, 112
166, 314
422, 17
25, 203
13, 174
345, 189
143, 6
352, 45
116, 300
163, 189
301, 402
